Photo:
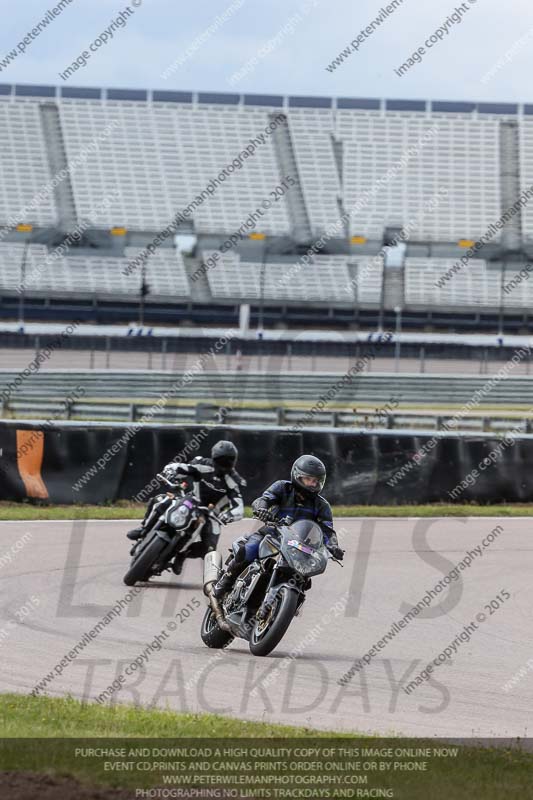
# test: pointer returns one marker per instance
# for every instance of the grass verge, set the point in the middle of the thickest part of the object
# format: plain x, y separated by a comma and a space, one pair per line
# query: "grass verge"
489, 773
125, 510
26, 716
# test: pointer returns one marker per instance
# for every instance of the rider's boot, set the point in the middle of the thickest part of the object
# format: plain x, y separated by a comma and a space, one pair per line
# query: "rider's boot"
145, 526
177, 564
227, 579
136, 534
233, 568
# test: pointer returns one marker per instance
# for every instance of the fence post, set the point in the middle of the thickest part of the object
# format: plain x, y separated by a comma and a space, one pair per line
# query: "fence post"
228, 356
422, 359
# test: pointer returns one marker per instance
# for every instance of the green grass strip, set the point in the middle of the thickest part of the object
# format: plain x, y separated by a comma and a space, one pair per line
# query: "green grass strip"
474, 773
125, 510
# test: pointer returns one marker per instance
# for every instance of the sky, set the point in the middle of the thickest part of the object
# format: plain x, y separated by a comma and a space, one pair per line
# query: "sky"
484, 52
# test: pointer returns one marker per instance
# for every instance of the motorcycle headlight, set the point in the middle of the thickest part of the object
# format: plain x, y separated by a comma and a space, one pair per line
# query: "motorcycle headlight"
179, 517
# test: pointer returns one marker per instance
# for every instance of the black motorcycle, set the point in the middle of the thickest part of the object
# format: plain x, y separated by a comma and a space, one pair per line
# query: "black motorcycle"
269, 592
178, 528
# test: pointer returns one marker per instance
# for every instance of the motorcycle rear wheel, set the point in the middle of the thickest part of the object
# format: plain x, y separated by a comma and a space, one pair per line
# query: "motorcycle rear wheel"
212, 635
141, 567
267, 634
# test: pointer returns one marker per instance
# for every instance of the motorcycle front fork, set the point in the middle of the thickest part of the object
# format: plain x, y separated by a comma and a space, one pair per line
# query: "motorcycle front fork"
302, 585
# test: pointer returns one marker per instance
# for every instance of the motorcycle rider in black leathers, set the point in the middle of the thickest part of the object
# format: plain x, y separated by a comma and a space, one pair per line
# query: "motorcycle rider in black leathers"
215, 482
291, 500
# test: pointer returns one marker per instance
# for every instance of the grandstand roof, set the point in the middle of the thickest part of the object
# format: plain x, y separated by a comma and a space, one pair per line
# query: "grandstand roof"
277, 101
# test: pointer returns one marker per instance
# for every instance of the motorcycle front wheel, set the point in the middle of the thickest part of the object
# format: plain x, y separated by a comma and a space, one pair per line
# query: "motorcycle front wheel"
268, 633
141, 566
212, 635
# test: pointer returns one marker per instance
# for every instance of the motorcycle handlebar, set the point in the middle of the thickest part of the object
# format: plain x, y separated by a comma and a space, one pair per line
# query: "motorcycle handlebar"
166, 480
287, 521
206, 509
277, 523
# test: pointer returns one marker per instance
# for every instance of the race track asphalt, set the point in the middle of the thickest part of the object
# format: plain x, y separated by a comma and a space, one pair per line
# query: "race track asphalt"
59, 579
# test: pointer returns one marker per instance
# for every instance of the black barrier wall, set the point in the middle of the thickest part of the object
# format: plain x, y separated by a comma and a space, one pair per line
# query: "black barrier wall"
97, 463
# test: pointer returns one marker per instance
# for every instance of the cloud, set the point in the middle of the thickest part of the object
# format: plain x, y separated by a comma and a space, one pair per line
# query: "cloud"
162, 29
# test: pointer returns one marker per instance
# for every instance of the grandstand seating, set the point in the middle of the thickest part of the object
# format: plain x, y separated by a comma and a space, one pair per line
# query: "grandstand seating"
161, 155
367, 285
518, 289
161, 158
132, 158
24, 169
323, 280
211, 138
459, 157
312, 134
11, 257
477, 284
526, 174
99, 275
350, 157
474, 285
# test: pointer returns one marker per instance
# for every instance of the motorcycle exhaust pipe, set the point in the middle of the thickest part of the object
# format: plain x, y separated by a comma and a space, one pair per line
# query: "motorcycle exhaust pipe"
212, 570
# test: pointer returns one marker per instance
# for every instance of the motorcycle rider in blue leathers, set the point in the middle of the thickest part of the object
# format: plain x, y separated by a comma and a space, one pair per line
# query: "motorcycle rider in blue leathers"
291, 500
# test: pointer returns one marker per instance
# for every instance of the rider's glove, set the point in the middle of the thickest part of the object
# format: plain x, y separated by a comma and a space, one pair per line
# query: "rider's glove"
226, 517
336, 551
262, 513
170, 472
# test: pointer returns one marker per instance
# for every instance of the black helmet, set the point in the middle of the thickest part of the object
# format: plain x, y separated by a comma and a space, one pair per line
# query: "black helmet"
224, 455
308, 473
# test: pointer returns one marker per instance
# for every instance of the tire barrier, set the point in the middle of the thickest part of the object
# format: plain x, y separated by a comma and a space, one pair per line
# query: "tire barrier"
99, 463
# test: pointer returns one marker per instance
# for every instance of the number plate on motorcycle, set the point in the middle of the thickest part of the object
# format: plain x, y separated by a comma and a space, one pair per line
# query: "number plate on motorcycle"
300, 546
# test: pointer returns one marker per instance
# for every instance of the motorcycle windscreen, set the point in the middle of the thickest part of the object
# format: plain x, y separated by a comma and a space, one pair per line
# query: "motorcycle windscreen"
302, 546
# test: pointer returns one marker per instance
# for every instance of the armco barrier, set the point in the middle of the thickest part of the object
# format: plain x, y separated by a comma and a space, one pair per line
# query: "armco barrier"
367, 387
107, 463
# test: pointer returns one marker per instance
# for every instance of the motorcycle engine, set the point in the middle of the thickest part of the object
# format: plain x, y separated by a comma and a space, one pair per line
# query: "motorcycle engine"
242, 584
